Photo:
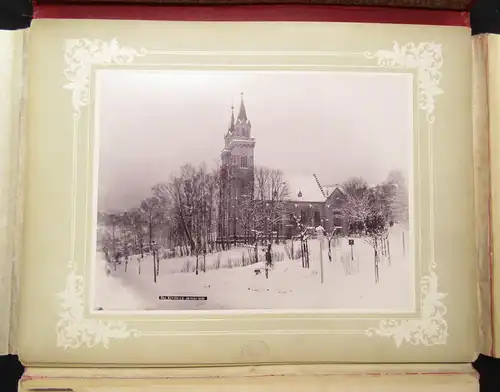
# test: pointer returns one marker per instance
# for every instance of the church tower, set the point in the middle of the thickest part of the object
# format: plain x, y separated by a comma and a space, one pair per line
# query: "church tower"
237, 178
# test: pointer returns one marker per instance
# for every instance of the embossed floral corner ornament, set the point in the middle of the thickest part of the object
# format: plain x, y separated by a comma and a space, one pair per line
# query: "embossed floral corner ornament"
81, 54
75, 330
426, 59
429, 330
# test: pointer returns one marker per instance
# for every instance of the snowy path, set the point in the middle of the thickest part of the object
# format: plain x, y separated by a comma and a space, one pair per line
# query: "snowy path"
114, 293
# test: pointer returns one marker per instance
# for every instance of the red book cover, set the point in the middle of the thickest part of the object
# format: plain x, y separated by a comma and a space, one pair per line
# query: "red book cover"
457, 5
449, 12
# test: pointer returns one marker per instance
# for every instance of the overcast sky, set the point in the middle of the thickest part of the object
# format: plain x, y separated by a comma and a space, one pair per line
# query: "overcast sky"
334, 124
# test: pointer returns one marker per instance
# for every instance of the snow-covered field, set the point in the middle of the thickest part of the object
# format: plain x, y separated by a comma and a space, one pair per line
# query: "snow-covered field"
347, 284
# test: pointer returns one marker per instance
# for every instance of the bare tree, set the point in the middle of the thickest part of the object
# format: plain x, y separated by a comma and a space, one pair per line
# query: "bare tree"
303, 234
271, 194
191, 193
357, 206
211, 211
138, 225
332, 237
224, 179
127, 236
110, 242
245, 211
151, 211
202, 214
367, 212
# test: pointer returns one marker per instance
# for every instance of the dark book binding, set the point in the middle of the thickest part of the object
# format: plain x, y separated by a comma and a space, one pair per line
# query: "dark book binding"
457, 5
242, 13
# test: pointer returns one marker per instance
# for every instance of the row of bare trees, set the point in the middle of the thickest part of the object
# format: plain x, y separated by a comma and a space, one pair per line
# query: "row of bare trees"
185, 215
190, 214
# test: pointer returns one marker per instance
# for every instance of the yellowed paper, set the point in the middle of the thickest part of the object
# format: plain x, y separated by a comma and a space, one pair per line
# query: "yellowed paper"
314, 370
11, 107
493, 61
295, 379
57, 274
482, 187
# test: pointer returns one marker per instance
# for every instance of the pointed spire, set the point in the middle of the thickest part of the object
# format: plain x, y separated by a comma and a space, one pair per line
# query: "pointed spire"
232, 116
231, 123
242, 116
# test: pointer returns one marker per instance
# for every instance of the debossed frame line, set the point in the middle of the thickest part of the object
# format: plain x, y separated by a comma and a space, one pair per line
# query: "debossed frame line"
74, 329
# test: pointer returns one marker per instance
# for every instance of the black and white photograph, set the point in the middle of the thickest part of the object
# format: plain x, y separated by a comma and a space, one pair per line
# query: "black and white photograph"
253, 190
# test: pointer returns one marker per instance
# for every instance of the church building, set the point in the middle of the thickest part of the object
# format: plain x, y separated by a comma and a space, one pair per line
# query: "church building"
316, 205
237, 176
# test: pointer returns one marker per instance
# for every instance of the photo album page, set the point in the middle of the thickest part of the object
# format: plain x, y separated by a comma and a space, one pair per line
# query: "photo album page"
210, 193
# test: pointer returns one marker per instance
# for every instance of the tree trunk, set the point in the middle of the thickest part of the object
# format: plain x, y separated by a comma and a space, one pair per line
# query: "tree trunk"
375, 255
197, 262
389, 252
113, 240
154, 266
307, 254
150, 227
330, 249
303, 253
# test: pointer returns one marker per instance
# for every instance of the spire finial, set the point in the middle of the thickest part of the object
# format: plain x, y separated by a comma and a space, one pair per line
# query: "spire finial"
231, 125
242, 116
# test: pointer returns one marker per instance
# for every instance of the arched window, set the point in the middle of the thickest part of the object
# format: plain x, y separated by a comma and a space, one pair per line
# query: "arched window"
244, 162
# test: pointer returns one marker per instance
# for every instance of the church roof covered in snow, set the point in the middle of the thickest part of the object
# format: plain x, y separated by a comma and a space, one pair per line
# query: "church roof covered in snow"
328, 189
304, 188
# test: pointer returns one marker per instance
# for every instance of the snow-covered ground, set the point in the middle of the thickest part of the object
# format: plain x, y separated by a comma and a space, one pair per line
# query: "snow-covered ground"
347, 284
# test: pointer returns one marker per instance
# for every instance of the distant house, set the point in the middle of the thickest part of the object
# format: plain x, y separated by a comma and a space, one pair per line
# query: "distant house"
314, 204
